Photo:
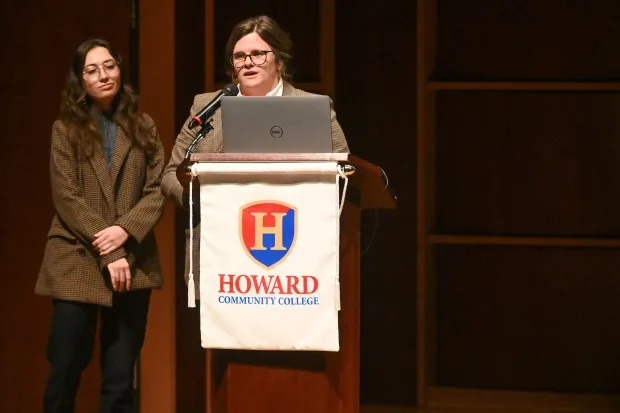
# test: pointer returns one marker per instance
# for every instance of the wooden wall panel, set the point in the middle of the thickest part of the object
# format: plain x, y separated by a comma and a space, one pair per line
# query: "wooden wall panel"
376, 106
189, 81
527, 39
522, 105
528, 318
528, 163
156, 44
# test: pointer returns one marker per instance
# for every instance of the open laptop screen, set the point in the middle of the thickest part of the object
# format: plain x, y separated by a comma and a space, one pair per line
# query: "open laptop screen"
276, 124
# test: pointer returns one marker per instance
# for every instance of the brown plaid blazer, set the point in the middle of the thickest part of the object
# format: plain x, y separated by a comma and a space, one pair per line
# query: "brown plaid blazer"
89, 196
212, 142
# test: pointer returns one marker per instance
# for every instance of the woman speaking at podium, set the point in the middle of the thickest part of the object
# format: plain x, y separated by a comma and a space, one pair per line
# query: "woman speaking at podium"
258, 52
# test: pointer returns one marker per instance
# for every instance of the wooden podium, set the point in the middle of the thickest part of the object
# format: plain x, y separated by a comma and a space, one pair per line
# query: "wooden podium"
241, 381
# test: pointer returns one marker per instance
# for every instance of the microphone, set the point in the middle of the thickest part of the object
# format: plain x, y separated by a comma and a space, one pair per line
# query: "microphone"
207, 112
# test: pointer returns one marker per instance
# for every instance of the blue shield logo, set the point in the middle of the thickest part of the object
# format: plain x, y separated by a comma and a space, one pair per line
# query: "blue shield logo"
268, 230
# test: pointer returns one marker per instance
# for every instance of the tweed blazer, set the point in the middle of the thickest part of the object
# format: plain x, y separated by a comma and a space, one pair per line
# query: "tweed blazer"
89, 196
213, 143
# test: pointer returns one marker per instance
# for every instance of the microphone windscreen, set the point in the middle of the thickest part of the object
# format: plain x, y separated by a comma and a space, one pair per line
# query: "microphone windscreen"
231, 90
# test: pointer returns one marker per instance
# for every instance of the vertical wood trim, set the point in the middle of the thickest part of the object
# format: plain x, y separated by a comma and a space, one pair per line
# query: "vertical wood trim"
209, 45
430, 271
425, 280
429, 46
157, 90
209, 385
349, 317
328, 45
421, 210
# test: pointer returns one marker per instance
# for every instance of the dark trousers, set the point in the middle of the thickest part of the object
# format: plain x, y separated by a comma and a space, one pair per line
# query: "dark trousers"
70, 348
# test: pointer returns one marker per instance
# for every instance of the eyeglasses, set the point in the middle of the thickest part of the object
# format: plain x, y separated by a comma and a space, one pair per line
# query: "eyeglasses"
257, 57
92, 72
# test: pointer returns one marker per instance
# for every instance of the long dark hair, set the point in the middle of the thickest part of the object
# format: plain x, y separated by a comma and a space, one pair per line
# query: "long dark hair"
76, 111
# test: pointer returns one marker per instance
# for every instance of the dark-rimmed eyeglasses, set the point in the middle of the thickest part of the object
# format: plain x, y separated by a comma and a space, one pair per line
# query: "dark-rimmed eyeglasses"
257, 57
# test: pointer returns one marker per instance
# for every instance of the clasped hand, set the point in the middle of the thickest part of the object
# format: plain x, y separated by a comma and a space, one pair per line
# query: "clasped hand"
110, 239
107, 241
120, 275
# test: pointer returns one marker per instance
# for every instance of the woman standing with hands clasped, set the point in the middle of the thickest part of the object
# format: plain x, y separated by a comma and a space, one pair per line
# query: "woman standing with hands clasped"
101, 256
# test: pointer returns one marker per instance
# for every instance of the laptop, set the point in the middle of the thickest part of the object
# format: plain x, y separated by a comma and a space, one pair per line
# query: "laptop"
276, 124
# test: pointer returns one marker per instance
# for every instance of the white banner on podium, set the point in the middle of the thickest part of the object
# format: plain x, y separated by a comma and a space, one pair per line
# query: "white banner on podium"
269, 255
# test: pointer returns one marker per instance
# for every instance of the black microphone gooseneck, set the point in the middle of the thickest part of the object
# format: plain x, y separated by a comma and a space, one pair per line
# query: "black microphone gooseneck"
201, 134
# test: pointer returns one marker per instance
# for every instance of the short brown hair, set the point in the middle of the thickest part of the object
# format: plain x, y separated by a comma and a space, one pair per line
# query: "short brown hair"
270, 32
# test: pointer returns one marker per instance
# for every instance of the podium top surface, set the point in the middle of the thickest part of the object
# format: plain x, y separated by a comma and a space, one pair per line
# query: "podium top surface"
269, 157
370, 180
